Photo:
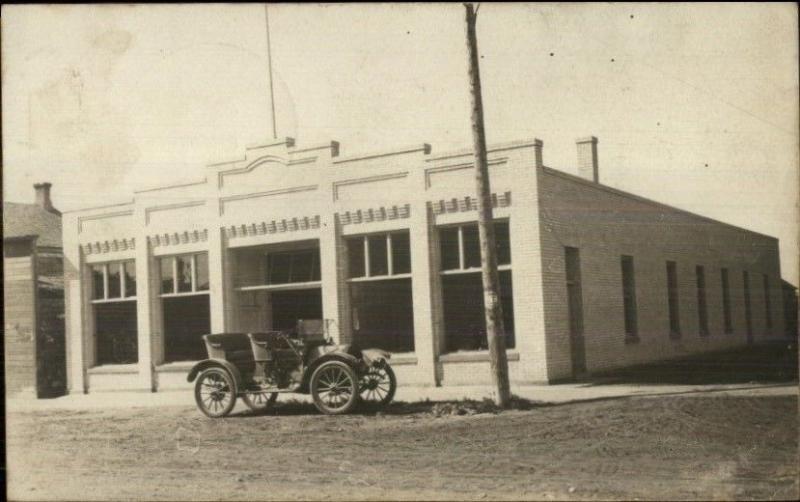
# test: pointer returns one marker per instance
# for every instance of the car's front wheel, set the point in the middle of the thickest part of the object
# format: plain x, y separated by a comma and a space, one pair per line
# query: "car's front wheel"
334, 388
378, 385
215, 392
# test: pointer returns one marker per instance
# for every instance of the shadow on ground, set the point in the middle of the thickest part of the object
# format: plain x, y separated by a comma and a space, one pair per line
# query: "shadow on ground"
767, 363
426, 407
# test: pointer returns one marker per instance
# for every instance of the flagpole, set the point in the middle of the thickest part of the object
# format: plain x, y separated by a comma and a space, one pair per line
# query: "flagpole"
269, 63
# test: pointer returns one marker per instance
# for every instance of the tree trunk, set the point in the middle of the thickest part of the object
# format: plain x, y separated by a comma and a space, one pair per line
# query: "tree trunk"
495, 331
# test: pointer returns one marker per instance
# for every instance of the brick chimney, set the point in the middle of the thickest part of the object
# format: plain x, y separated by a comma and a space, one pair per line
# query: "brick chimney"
43, 197
587, 159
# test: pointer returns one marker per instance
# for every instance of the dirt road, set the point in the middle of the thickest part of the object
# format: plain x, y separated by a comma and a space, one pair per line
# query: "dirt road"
709, 447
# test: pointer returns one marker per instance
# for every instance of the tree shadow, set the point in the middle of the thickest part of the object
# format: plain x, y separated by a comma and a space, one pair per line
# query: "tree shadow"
294, 407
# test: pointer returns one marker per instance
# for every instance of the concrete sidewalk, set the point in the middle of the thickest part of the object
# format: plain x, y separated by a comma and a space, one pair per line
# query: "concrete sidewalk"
548, 394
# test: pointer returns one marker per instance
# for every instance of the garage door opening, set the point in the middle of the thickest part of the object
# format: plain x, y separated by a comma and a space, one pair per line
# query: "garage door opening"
288, 307
277, 285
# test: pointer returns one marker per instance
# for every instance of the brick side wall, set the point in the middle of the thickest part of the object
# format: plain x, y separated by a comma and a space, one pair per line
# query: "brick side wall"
604, 225
20, 326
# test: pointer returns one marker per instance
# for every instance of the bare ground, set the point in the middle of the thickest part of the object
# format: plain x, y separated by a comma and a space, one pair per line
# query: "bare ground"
677, 447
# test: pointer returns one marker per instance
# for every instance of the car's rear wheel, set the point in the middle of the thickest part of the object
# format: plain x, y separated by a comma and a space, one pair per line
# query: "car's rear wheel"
378, 385
215, 392
334, 388
259, 401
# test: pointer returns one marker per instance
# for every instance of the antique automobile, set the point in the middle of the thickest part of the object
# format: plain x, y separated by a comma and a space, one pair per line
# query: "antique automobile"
259, 366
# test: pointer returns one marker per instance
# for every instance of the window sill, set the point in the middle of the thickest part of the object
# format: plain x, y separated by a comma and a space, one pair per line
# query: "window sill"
176, 367
114, 369
372, 278
185, 293
472, 270
281, 287
403, 358
473, 356
114, 300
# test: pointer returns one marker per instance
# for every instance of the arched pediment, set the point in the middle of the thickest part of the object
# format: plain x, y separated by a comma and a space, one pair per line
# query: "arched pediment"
243, 175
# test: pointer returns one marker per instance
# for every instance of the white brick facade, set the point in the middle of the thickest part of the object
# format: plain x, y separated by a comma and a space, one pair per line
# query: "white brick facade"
281, 193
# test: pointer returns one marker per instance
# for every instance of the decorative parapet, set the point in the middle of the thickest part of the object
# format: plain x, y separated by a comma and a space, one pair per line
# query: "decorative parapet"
273, 227
174, 238
462, 204
109, 246
378, 214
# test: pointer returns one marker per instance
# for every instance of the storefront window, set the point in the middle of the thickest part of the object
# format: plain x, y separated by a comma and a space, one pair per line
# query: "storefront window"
167, 275
185, 305
114, 308
98, 282
129, 269
379, 255
183, 266
287, 267
459, 246
114, 280
184, 273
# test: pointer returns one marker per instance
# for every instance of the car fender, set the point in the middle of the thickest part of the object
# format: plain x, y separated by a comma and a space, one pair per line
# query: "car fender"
372, 356
210, 363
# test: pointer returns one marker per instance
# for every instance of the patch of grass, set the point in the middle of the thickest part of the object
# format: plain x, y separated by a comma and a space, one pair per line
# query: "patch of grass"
427, 407
471, 406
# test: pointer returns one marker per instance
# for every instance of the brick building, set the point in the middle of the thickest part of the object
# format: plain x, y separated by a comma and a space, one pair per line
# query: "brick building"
384, 248
33, 297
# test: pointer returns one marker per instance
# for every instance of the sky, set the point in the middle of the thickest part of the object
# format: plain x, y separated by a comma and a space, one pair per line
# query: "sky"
694, 105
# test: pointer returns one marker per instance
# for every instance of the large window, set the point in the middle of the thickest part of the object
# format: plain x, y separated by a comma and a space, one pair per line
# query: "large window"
379, 270
114, 309
379, 255
186, 319
459, 246
702, 306
462, 286
382, 314
185, 305
114, 280
629, 299
286, 267
115, 328
726, 302
184, 274
464, 315
672, 300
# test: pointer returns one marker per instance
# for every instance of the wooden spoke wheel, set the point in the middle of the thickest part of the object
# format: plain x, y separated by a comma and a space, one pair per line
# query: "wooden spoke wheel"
259, 401
378, 385
215, 392
334, 387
